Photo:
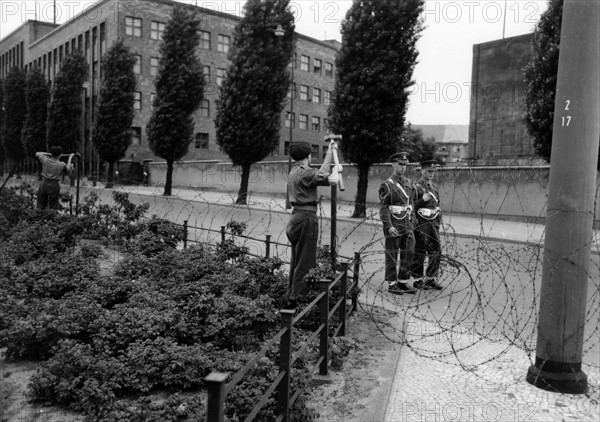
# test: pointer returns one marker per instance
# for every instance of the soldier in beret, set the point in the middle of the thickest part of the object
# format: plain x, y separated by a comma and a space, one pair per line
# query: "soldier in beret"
427, 228
396, 213
303, 227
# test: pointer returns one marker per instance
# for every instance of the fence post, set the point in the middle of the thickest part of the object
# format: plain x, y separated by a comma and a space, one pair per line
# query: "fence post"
344, 294
222, 234
324, 343
357, 262
333, 222
285, 363
215, 386
268, 246
185, 233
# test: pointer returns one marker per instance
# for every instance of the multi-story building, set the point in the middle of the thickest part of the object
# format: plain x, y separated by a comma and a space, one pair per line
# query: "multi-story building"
497, 134
140, 23
451, 141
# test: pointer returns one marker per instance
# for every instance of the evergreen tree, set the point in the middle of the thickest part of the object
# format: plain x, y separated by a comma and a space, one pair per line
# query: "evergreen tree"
179, 89
15, 111
66, 108
36, 96
112, 129
2, 153
373, 77
540, 79
253, 93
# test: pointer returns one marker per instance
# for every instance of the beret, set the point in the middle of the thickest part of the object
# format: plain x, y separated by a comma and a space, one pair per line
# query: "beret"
300, 150
400, 157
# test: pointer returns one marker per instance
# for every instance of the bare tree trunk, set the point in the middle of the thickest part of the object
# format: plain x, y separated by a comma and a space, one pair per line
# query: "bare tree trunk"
360, 207
110, 177
169, 181
243, 192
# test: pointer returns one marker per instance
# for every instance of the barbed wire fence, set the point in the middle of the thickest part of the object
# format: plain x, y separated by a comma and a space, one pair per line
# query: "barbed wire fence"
491, 292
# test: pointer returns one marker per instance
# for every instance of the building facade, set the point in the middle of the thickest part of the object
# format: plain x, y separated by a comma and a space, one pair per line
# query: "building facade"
497, 134
451, 141
140, 24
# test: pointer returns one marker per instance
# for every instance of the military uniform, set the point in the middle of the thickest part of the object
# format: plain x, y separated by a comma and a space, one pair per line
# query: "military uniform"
302, 229
396, 212
427, 239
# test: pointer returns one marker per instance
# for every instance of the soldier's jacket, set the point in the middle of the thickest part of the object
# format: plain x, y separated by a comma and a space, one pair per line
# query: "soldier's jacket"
396, 200
431, 209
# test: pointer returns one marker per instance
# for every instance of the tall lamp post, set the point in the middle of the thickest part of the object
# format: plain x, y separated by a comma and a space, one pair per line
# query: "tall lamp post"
279, 32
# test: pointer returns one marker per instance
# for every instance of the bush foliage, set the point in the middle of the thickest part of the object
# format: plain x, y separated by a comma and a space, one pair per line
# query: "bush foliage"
135, 344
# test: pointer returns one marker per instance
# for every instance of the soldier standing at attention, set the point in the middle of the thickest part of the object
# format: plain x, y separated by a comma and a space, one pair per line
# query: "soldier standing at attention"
427, 229
52, 172
303, 227
396, 213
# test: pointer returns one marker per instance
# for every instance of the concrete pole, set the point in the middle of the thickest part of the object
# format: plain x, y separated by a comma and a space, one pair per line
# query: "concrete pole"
570, 213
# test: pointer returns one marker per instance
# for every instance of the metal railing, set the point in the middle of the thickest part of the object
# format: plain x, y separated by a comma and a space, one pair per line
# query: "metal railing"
216, 382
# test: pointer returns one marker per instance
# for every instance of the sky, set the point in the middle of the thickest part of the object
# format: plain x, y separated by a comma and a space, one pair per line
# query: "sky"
442, 76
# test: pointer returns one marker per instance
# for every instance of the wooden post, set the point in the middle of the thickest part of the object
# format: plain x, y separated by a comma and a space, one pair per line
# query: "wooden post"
324, 338
222, 234
333, 225
185, 234
357, 262
344, 294
268, 246
285, 363
571, 192
215, 386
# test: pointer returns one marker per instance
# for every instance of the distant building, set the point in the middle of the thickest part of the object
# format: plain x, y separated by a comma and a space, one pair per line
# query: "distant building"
497, 134
451, 141
140, 23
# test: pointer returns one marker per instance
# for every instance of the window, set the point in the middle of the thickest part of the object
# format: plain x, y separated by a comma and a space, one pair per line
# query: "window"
316, 95
206, 72
325, 125
205, 108
152, 99
205, 40
154, 66
293, 89
220, 76
287, 120
137, 67
456, 149
316, 124
286, 148
137, 100
328, 69
156, 30
315, 151
304, 92
304, 63
223, 42
133, 26
201, 140
327, 98
136, 135
317, 63
303, 122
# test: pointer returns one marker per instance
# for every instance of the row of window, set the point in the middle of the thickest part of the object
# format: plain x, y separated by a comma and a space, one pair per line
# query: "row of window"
318, 95
133, 28
303, 122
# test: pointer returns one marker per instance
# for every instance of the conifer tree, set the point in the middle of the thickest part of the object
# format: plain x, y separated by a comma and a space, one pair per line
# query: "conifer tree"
179, 89
36, 95
540, 79
15, 110
373, 77
64, 114
253, 93
112, 129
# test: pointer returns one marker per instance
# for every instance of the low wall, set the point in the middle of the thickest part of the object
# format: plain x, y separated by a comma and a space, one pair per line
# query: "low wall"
502, 192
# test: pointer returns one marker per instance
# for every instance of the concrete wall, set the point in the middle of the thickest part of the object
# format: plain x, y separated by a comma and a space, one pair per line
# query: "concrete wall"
501, 192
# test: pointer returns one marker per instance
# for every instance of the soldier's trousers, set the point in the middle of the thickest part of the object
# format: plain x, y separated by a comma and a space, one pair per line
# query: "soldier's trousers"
303, 232
399, 251
427, 243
